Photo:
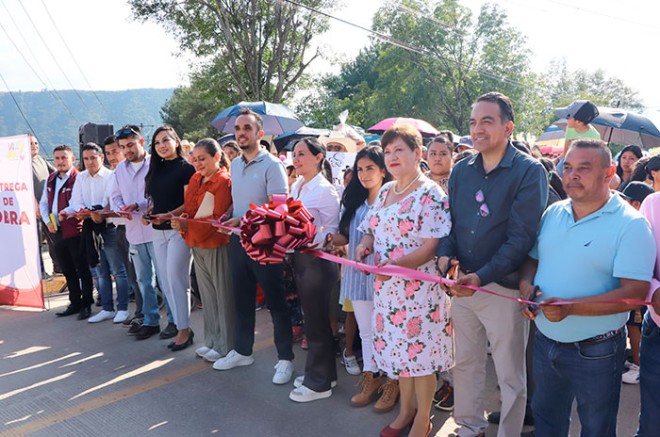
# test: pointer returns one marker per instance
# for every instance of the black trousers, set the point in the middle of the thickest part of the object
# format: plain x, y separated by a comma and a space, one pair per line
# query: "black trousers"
315, 280
75, 269
43, 233
246, 273
133, 286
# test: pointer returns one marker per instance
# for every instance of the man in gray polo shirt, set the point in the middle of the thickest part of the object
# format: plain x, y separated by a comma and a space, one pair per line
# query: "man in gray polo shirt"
255, 177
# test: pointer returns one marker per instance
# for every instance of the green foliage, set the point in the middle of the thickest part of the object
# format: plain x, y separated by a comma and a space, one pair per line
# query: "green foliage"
262, 45
448, 59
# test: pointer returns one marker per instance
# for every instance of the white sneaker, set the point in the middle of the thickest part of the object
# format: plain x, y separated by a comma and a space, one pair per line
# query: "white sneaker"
120, 317
283, 372
201, 351
101, 316
304, 394
212, 356
351, 364
233, 359
632, 375
299, 381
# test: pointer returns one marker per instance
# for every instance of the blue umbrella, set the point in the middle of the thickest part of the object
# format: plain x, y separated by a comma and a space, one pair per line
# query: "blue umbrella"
285, 139
277, 118
623, 127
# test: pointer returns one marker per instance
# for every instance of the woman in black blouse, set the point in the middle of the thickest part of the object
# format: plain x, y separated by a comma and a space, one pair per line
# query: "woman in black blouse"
165, 184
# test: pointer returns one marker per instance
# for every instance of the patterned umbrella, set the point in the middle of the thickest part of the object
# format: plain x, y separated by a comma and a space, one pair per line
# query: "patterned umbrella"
278, 118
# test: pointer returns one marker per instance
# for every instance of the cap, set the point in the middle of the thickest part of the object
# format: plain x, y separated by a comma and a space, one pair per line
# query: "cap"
581, 110
637, 191
465, 141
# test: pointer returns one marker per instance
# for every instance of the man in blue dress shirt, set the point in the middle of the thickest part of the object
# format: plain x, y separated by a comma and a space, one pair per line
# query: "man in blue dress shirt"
496, 199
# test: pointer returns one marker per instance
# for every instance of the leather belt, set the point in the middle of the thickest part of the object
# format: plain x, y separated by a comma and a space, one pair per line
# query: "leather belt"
591, 340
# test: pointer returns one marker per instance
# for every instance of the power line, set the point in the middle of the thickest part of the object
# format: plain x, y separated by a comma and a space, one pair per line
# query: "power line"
406, 46
602, 14
52, 93
27, 45
20, 2
71, 54
17, 105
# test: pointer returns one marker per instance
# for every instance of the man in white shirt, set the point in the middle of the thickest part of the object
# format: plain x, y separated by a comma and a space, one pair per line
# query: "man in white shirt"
90, 194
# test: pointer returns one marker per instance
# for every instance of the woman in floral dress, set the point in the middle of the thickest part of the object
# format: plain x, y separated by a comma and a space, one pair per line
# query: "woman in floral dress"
412, 338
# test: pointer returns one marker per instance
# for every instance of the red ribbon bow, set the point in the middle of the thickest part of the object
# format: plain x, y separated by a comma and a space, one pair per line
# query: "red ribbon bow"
270, 230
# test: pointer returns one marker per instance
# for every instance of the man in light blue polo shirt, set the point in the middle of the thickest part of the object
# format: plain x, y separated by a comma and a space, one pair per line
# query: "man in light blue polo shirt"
255, 177
591, 247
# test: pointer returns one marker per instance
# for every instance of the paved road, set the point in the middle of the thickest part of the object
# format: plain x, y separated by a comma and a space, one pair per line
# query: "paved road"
63, 377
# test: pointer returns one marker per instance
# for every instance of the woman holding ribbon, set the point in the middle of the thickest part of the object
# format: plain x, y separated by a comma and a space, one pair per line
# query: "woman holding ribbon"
370, 174
208, 197
315, 278
412, 339
165, 184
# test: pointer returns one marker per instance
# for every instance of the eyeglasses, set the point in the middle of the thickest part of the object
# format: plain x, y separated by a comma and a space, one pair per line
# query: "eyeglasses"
126, 132
481, 199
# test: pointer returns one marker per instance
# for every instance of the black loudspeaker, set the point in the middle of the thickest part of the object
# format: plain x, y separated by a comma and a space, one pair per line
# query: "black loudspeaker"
93, 133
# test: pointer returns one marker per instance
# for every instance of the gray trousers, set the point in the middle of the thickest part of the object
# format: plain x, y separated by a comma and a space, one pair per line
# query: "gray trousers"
478, 320
214, 281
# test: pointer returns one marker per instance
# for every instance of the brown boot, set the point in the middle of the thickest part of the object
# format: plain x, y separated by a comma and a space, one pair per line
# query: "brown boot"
369, 385
389, 397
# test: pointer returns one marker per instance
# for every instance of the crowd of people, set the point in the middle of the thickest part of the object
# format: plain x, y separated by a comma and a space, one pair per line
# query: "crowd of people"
577, 240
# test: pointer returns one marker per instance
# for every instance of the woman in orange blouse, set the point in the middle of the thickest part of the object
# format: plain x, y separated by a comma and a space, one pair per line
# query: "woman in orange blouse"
209, 197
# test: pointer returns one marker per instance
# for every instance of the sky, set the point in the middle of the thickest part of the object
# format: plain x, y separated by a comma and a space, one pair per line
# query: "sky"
102, 48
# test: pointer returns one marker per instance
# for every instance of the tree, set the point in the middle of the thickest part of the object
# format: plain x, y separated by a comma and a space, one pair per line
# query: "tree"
263, 44
566, 86
437, 61
191, 108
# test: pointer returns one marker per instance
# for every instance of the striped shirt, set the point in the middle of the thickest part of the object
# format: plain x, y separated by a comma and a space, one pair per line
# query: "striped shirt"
355, 285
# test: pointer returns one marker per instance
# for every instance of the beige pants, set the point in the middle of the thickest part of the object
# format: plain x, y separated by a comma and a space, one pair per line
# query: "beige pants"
214, 281
478, 320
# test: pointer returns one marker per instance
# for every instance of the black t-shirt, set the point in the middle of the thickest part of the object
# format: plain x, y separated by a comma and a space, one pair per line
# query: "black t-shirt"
167, 186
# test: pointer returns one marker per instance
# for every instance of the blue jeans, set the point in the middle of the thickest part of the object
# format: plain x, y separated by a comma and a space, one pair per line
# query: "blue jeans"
589, 373
142, 256
110, 261
649, 378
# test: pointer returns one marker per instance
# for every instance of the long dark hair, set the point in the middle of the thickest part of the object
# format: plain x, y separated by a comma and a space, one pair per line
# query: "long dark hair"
355, 194
156, 160
315, 147
636, 150
212, 147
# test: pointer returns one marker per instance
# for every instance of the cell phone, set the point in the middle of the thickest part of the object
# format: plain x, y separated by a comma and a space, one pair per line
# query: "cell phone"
533, 308
147, 216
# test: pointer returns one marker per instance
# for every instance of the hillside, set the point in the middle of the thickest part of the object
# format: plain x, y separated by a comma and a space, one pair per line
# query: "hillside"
56, 116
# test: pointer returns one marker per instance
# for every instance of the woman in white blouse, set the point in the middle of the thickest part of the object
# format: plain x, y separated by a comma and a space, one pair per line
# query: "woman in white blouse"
315, 278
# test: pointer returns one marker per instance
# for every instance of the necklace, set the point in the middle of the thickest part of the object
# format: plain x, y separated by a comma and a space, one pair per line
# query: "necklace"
397, 192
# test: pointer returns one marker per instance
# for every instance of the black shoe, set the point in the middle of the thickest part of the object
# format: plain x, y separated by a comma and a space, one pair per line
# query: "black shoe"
444, 397
146, 332
170, 345
135, 327
189, 342
84, 313
169, 331
69, 311
494, 418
